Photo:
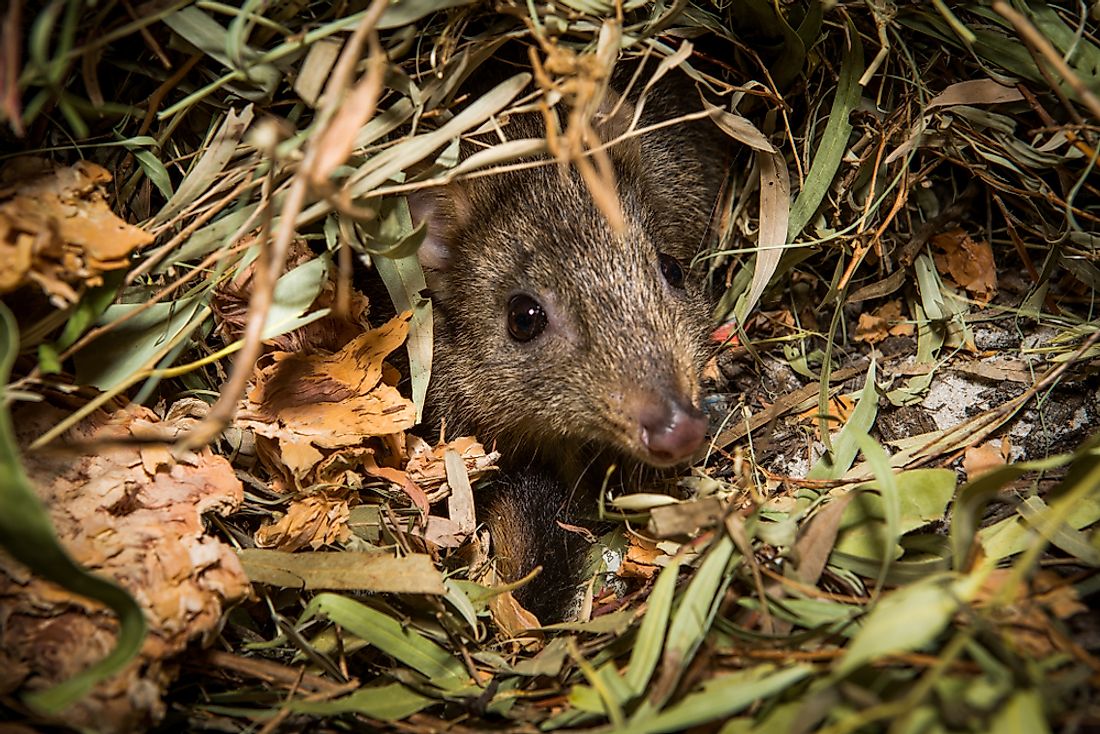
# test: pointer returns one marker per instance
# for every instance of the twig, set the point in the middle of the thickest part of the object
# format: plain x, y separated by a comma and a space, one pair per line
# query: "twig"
1039, 42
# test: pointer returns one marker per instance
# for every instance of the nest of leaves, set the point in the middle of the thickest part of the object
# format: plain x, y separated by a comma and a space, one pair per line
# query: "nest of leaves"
894, 528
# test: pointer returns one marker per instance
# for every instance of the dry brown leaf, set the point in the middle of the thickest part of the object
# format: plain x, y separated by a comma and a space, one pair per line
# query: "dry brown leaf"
513, 620
968, 262
1027, 615
460, 504
132, 514
980, 459
886, 320
346, 571
1058, 596
641, 558
316, 520
685, 518
443, 532
401, 479
311, 402
840, 408
871, 328
57, 229
816, 541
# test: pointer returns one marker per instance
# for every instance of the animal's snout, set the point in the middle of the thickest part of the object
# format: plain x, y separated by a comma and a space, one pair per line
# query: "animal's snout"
671, 431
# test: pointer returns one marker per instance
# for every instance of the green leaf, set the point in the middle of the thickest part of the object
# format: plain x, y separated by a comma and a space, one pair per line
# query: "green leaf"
462, 604
548, 661
295, 292
830, 151
1003, 538
155, 171
391, 702
692, 620
651, 632
122, 352
904, 620
92, 305
27, 535
213, 39
393, 638
209, 166
403, 12
1021, 714
1015, 534
846, 445
891, 501
49, 361
404, 280
409, 151
721, 697
922, 498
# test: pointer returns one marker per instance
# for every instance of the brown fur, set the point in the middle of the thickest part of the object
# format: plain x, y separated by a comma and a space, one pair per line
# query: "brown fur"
618, 334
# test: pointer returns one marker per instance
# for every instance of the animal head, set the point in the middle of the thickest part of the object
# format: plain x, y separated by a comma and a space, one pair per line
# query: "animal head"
552, 330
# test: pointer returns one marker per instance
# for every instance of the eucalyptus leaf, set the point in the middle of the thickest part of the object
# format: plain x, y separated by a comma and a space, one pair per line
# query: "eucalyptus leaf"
721, 697
391, 702
904, 620
846, 444
393, 638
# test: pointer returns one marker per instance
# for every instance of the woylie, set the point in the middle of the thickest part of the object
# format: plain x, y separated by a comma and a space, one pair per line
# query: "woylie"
568, 346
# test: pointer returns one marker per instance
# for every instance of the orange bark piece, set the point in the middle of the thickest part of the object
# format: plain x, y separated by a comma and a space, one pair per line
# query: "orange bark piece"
57, 228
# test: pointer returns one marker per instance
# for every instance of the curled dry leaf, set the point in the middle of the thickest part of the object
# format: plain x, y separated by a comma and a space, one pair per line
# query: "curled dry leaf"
57, 229
884, 321
426, 464
514, 621
685, 518
311, 403
642, 556
1032, 609
968, 262
317, 520
133, 514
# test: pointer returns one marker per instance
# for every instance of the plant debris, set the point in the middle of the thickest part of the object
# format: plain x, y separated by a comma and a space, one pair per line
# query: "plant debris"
131, 512
57, 228
895, 523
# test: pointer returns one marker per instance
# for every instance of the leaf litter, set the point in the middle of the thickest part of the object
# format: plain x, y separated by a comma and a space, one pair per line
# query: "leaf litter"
895, 527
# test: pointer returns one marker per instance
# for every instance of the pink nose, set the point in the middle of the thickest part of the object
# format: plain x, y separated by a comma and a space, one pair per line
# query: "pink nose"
670, 431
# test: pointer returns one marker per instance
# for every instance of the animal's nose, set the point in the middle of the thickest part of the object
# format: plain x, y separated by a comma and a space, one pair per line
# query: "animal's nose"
671, 431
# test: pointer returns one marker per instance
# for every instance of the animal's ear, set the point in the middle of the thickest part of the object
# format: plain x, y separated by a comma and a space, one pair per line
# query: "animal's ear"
443, 209
611, 121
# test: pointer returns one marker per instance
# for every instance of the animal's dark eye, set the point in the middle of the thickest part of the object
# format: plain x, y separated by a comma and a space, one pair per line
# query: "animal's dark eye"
526, 318
672, 270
